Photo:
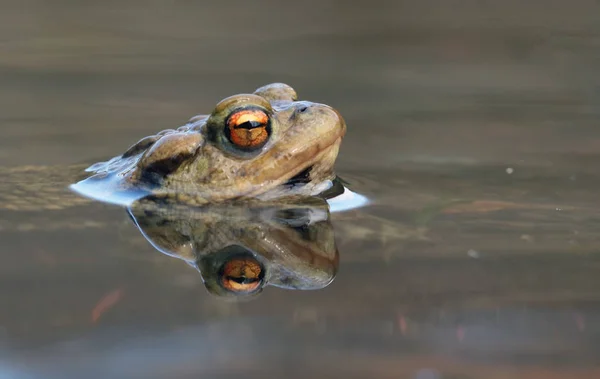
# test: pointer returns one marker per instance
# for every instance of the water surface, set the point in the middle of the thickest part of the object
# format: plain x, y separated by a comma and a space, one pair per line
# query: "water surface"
472, 129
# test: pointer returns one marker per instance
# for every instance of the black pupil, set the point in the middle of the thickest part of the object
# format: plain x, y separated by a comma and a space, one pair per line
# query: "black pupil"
243, 279
248, 125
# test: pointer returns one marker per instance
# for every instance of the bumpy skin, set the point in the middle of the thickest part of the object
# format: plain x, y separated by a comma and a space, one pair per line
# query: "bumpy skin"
200, 164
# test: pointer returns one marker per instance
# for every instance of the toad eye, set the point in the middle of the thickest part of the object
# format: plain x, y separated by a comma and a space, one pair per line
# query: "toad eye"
241, 274
248, 129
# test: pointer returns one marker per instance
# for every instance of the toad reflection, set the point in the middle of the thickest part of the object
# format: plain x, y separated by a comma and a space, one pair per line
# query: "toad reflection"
239, 249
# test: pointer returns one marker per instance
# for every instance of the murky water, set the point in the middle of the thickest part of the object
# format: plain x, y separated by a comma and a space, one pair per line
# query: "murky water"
472, 129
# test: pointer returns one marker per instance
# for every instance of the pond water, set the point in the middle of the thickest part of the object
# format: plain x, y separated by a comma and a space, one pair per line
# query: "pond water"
472, 131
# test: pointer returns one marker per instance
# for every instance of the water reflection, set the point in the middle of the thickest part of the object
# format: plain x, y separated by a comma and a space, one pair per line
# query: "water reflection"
494, 104
241, 248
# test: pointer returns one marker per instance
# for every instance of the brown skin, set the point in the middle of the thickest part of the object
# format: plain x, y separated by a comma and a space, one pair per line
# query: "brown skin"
251, 145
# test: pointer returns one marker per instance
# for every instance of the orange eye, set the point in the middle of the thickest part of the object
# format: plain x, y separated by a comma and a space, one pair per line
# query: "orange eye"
248, 128
241, 275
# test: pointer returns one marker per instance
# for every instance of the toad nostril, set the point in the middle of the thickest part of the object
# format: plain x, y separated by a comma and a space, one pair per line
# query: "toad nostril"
302, 109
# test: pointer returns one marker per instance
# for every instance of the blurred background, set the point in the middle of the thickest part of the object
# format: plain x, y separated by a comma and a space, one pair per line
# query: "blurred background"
487, 97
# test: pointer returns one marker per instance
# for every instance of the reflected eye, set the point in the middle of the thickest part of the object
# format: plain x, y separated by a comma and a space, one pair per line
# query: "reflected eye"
248, 129
241, 275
